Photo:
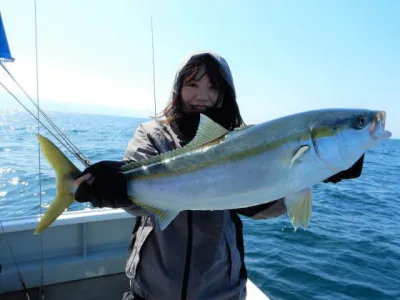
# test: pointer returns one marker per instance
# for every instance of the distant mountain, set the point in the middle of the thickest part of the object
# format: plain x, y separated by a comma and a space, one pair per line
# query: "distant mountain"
7, 104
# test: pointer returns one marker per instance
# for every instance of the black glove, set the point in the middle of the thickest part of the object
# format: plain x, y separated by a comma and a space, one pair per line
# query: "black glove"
109, 188
351, 173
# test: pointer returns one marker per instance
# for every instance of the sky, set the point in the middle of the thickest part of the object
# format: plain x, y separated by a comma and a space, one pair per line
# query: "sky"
286, 56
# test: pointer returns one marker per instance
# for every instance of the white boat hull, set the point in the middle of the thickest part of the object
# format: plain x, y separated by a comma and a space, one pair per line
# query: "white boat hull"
78, 256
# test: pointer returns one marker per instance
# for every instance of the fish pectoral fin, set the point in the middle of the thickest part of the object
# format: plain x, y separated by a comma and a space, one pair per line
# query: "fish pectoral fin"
298, 154
299, 207
163, 217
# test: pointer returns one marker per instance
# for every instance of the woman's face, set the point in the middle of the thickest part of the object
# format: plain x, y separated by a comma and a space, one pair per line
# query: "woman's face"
198, 94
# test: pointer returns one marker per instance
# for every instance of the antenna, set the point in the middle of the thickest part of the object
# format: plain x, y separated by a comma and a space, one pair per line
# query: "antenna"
154, 72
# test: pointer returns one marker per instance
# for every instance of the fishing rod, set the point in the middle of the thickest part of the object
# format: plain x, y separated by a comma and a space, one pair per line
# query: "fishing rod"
21, 279
63, 139
154, 72
41, 288
5, 55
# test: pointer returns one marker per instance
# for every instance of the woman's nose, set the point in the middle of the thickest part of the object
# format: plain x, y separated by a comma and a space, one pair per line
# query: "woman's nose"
203, 95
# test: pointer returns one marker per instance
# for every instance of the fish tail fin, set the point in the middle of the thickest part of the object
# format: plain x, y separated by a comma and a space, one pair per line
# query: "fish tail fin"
66, 173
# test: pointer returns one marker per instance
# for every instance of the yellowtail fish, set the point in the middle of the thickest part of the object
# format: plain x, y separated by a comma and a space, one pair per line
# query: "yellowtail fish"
220, 169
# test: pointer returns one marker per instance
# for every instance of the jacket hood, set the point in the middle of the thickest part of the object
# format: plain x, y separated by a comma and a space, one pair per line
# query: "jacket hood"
224, 67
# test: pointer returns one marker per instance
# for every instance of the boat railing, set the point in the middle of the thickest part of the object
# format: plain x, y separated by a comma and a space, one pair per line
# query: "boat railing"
78, 245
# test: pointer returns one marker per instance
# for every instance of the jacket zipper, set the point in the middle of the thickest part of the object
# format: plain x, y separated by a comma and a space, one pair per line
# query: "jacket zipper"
188, 255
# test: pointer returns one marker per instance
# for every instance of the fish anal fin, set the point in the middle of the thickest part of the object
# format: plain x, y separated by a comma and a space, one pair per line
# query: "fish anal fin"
163, 217
299, 207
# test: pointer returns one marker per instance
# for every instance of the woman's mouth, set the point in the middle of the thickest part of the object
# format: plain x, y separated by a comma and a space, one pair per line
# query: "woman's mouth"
199, 108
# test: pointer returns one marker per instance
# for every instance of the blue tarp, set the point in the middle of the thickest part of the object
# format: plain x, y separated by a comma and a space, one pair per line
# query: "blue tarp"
5, 54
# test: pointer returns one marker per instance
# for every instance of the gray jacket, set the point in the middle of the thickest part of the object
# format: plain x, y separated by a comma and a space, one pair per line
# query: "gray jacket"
198, 256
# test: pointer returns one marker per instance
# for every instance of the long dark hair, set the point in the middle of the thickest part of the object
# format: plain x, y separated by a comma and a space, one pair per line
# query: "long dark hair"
225, 112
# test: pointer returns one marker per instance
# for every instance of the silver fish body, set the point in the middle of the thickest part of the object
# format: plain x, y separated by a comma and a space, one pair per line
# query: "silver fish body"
281, 158
258, 164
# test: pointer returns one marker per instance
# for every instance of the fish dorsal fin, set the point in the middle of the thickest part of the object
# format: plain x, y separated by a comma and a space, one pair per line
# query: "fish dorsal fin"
207, 132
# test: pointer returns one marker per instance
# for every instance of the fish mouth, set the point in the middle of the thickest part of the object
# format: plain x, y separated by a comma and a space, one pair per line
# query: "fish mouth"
377, 128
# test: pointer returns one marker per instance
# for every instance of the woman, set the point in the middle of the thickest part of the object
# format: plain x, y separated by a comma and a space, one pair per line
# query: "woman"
200, 255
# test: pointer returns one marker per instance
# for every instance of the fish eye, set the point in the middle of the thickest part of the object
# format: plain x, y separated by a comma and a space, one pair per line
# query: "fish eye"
361, 122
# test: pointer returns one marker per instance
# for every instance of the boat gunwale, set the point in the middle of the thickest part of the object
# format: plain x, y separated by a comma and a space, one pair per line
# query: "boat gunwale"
16, 224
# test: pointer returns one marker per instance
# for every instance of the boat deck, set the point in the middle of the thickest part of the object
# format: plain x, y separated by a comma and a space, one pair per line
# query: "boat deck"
113, 286
83, 256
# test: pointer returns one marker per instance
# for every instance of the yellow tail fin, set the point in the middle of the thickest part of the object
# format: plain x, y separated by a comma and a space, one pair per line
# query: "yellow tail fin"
65, 174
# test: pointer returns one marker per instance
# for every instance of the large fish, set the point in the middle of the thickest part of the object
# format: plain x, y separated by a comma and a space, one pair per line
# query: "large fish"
281, 158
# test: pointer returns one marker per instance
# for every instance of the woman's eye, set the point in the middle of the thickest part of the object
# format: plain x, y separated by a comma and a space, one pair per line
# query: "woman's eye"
191, 84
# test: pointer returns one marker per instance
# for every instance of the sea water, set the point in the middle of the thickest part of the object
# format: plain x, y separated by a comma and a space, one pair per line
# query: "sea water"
350, 251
